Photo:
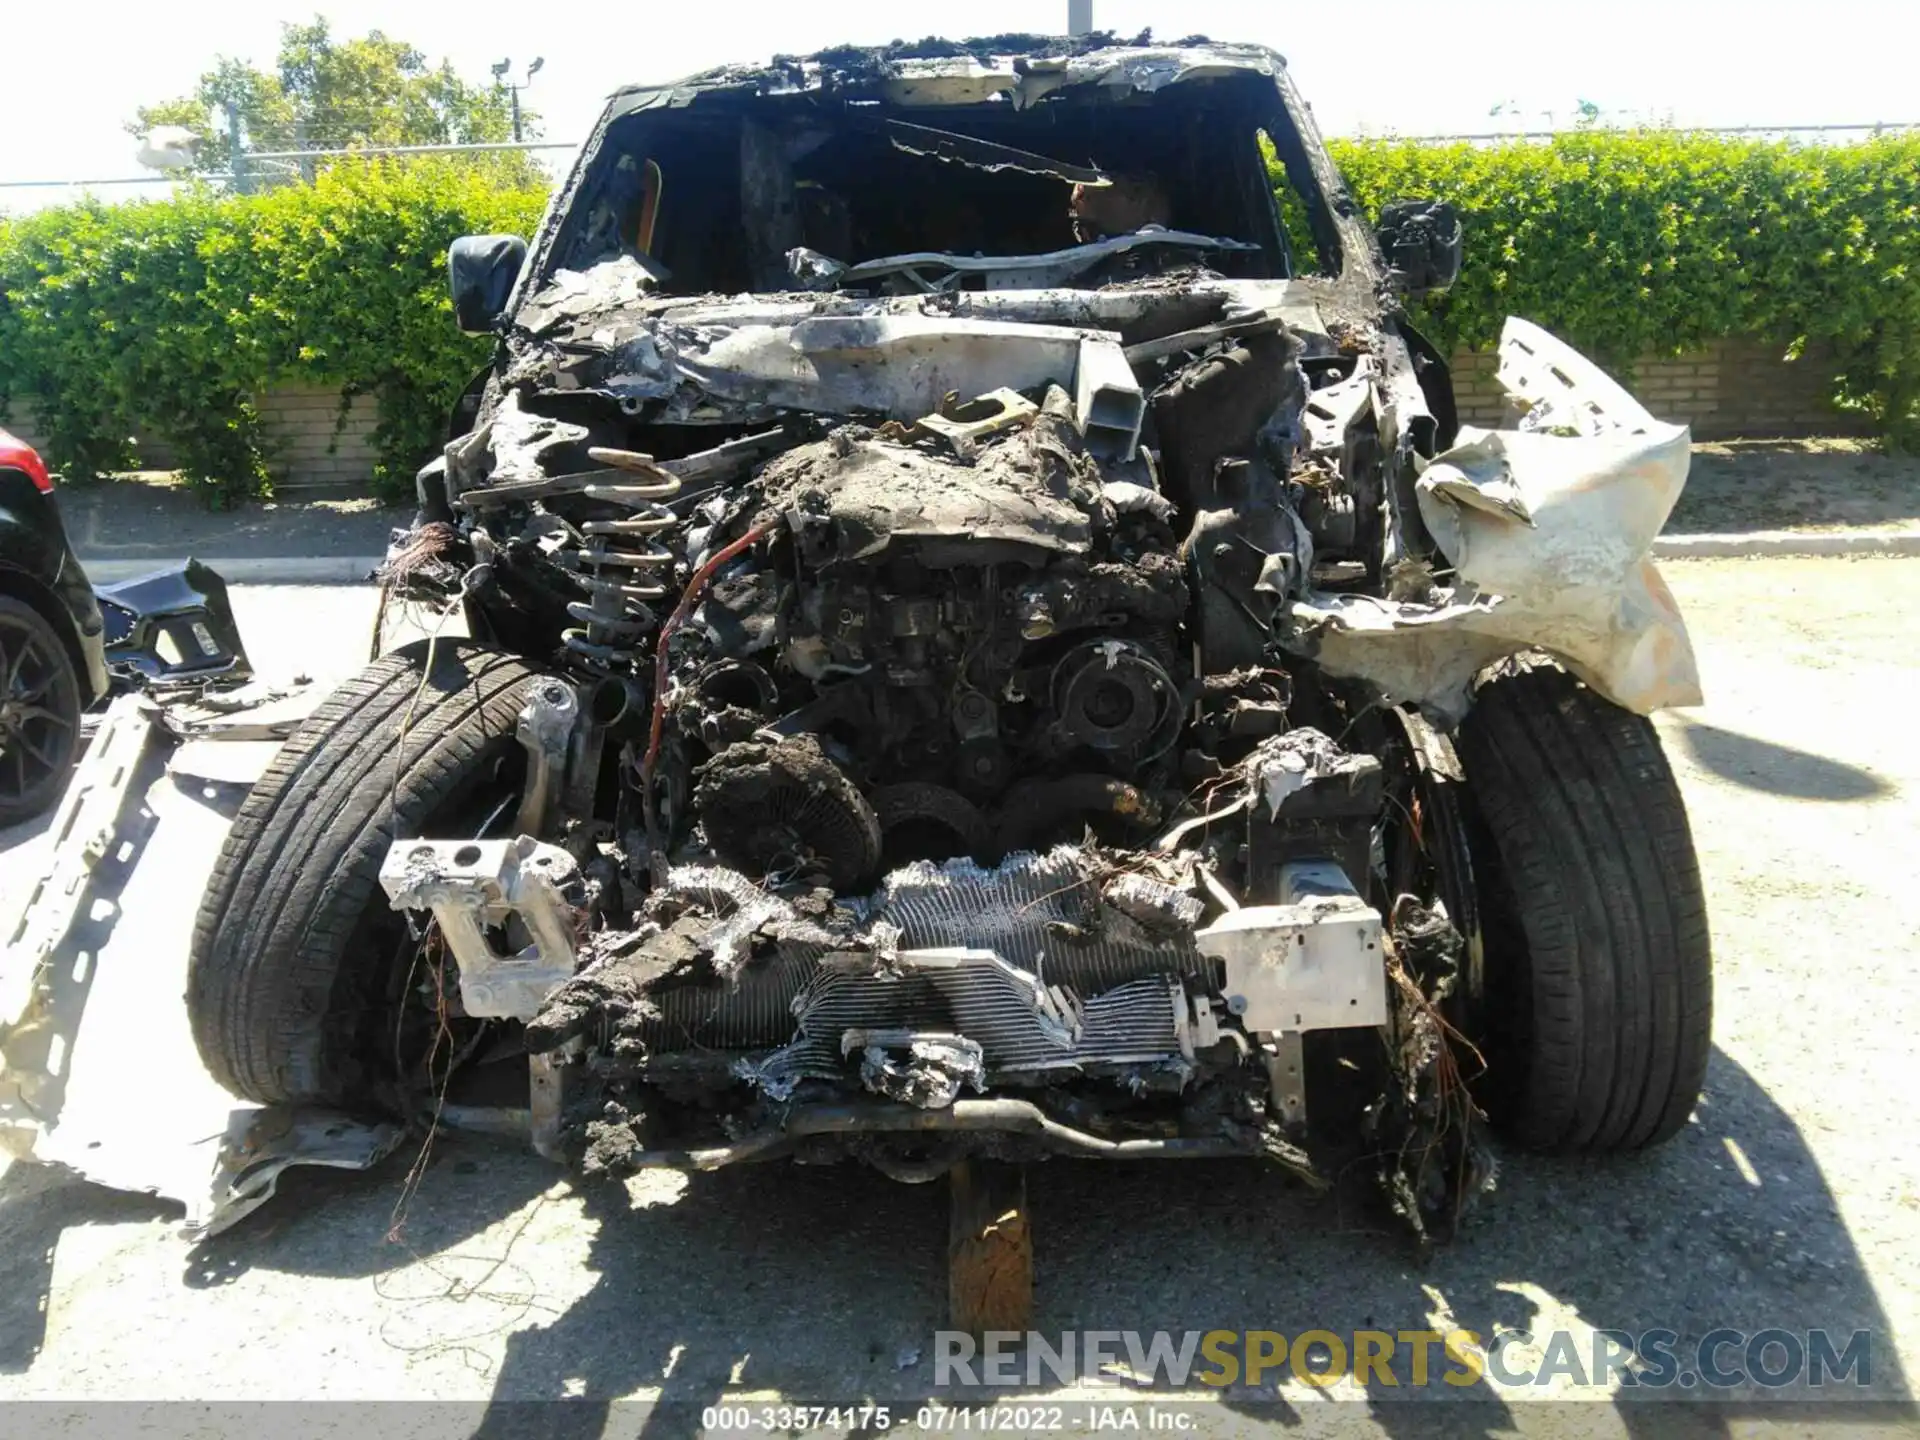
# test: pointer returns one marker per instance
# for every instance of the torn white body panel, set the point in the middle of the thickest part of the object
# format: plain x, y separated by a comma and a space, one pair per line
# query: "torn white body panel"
98, 1071
1548, 529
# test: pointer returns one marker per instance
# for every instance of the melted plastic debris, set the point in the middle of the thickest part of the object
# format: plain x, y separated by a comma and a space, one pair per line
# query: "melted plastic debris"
926, 1071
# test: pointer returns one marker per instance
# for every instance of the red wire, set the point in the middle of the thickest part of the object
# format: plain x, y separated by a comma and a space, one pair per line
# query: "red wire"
695, 586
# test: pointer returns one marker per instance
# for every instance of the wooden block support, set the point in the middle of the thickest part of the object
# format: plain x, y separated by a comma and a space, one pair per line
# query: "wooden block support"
989, 1248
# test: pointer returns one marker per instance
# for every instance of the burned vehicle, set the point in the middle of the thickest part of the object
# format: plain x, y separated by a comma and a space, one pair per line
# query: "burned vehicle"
984, 639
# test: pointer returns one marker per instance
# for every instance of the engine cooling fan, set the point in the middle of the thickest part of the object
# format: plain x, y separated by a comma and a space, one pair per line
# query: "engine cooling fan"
787, 808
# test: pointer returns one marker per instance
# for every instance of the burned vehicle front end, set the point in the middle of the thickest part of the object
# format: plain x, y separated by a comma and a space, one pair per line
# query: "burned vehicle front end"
965, 624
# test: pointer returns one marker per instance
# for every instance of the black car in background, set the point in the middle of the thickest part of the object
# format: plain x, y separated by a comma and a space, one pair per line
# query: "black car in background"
52, 644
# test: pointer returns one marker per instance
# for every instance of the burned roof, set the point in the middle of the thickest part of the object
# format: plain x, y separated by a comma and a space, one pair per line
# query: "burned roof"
1015, 68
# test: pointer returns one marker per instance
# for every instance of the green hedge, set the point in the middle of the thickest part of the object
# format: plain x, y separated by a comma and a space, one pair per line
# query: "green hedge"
170, 318
1654, 242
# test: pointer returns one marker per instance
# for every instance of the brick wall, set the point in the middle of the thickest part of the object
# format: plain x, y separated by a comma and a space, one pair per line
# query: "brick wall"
1732, 389
305, 450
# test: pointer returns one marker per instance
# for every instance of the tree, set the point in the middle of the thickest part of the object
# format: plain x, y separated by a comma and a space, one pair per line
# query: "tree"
328, 94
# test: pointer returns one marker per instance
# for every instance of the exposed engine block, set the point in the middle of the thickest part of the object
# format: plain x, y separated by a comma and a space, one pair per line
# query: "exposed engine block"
936, 632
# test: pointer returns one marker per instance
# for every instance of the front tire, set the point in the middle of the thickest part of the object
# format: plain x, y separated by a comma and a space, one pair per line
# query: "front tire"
301, 978
1596, 1001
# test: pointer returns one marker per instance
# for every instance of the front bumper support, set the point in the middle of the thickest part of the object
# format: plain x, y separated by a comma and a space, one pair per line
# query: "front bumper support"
984, 1116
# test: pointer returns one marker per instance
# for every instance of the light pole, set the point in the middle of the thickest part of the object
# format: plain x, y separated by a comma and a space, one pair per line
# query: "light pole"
513, 91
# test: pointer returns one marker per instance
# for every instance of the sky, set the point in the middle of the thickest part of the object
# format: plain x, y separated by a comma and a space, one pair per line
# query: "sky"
1370, 66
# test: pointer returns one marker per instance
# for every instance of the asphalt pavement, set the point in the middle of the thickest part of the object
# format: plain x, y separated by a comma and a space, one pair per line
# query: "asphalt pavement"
482, 1275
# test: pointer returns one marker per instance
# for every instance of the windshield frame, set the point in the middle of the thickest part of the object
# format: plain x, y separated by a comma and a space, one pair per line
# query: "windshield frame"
1339, 229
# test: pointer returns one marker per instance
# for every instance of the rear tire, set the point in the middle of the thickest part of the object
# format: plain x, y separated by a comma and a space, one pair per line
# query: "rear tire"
39, 712
299, 973
1596, 1006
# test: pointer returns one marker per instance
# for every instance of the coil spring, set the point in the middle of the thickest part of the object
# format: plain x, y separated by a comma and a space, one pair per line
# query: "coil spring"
618, 565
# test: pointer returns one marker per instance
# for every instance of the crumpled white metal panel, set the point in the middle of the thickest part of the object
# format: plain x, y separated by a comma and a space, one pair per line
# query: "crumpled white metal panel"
1549, 529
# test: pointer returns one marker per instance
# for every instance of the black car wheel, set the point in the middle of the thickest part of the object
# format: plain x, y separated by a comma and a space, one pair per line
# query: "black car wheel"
39, 712
1598, 1004
303, 985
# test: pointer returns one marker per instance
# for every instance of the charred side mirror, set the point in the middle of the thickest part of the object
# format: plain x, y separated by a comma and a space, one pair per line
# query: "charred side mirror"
481, 270
1421, 240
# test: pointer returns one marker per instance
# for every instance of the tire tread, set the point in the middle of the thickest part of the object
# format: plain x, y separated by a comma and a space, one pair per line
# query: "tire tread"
1589, 830
271, 983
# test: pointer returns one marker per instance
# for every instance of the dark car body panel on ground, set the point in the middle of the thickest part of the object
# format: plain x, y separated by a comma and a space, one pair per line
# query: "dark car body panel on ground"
38, 566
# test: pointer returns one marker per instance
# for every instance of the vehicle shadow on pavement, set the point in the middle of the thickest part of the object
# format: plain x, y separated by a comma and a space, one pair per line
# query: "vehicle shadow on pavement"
37, 1205
1777, 769
352, 1224
827, 1285
320, 1222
